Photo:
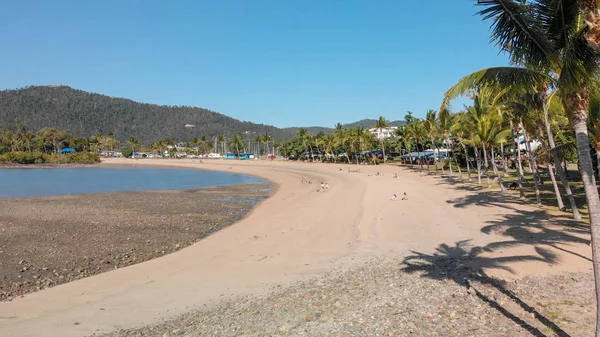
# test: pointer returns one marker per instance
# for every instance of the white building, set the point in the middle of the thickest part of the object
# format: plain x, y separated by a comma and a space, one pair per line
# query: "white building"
384, 132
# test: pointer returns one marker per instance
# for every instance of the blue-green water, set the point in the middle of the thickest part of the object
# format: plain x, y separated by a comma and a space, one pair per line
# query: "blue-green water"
26, 183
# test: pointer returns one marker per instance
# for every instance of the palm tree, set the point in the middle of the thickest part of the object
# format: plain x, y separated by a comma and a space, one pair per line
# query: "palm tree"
221, 140
445, 125
133, 143
562, 37
237, 143
265, 140
416, 130
460, 130
381, 124
431, 127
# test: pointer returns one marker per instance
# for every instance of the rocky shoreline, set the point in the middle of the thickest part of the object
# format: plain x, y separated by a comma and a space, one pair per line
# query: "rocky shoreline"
53, 240
388, 298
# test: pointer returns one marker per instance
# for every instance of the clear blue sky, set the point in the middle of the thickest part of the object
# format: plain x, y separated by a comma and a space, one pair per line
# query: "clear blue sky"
280, 62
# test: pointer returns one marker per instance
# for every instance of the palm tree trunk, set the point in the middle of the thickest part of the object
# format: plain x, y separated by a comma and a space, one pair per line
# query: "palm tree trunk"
597, 148
487, 171
504, 161
452, 157
485, 160
517, 159
478, 159
557, 193
533, 166
383, 150
591, 194
434, 159
496, 172
467, 160
419, 158
439, 154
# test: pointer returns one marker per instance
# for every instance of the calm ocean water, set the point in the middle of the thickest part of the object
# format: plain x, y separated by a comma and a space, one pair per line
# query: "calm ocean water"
25, 183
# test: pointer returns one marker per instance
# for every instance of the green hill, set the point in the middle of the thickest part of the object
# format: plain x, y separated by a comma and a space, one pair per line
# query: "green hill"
84, 114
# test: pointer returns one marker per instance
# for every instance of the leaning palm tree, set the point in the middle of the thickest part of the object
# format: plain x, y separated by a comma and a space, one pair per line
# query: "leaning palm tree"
559, 43
381, 124
594, 127
461, 129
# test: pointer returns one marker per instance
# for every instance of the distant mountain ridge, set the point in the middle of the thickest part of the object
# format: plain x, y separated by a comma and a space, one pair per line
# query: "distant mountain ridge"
365, 123
84, 114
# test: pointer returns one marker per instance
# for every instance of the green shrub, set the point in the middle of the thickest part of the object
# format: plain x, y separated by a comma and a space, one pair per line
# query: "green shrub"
126, 152
22, 157
53, 158
83, 157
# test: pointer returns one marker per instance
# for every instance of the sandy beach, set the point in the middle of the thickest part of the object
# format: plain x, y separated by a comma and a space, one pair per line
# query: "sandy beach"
299, 233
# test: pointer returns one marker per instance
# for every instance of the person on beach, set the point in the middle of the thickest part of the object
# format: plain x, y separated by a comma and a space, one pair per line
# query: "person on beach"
326, 186
405, 196
395, 175
303, 179
322, 186
393, 197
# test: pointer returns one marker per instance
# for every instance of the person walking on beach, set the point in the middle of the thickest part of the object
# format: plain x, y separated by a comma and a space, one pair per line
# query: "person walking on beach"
326, 186
322, 187
303, 179
405, 196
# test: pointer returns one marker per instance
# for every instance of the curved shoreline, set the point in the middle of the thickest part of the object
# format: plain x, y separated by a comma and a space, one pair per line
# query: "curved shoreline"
49, 238
107, 178
295, 234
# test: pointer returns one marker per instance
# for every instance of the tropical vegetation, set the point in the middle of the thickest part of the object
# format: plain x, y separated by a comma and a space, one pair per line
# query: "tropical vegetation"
26, 147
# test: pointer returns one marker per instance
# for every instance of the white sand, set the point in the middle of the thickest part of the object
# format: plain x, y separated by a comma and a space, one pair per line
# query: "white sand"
294, 234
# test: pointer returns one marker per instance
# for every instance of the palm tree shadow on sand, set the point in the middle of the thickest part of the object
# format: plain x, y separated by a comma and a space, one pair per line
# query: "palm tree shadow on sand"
526, 226
465, 265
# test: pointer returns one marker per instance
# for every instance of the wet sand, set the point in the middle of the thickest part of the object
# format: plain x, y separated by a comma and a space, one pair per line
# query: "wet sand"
48, 241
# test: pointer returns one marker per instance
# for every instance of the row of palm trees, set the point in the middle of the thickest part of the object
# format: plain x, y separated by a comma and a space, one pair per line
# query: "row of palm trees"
343, 143
45, 140
221, 144
554, 48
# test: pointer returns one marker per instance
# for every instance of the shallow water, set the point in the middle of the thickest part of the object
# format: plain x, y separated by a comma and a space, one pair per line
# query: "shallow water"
26, 183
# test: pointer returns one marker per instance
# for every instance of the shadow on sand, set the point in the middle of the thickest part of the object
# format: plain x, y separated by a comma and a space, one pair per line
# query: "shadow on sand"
466, 265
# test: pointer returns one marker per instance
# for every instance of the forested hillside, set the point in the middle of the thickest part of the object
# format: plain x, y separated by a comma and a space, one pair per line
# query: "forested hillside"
368, 123
84, 114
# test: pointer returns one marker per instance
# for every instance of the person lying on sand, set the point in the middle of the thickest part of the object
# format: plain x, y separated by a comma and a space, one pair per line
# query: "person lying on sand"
405, 196
395, 175
393, 197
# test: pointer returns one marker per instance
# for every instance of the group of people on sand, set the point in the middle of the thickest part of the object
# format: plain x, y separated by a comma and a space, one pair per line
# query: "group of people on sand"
324, 186
404, 197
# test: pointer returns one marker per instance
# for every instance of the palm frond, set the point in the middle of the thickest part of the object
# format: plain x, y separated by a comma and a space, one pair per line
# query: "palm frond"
502, 136
560, 149
559, 19
514, 78
519, 32
580, 62
554, 105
